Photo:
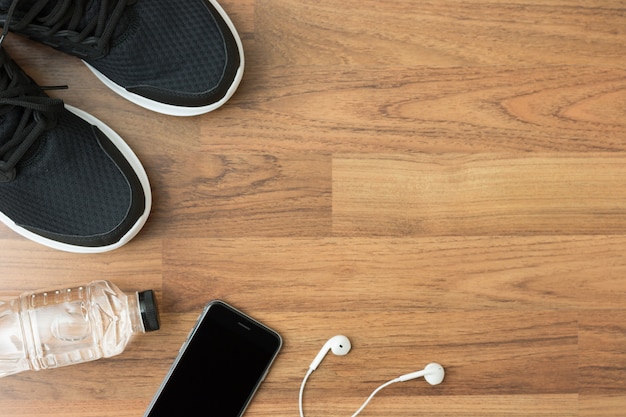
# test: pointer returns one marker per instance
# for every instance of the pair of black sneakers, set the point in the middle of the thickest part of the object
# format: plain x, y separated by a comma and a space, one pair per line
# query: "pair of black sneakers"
67, 180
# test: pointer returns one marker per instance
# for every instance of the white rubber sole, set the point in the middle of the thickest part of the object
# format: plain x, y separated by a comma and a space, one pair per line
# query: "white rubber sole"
173, 110
141, 174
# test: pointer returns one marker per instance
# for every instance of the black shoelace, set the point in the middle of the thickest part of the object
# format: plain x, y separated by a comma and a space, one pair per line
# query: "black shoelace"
68, 22
39, 113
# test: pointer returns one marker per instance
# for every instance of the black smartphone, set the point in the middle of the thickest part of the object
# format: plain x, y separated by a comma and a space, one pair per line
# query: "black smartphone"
219, 368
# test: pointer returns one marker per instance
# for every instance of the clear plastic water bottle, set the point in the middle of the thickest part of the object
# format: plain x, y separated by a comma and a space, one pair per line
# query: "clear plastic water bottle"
49, 329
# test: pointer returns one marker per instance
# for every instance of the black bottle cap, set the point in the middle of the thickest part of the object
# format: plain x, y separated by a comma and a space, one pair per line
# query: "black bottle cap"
149, 310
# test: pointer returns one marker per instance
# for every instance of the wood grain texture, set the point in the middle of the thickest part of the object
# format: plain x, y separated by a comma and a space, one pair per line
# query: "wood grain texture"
478, 194
440, 181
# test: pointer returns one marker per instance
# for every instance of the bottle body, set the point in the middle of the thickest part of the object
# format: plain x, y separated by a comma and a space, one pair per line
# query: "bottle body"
49, 329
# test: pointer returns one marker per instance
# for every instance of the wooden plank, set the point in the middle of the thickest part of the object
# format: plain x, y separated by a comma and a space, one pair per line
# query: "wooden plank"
424, 194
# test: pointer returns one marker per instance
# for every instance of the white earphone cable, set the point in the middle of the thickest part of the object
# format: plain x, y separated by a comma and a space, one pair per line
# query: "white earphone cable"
393, 381
310, 371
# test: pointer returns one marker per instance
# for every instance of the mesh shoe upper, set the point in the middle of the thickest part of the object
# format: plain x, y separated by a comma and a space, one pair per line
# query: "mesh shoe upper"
185, 64
73, 187
180, 53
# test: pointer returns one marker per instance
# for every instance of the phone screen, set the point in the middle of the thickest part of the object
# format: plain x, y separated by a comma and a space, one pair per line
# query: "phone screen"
219, 368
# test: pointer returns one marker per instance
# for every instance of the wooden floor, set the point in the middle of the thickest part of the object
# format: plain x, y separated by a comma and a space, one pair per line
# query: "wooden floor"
440, 181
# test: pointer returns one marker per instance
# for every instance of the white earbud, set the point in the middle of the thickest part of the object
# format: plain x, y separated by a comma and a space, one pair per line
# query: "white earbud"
339, 345
433, 373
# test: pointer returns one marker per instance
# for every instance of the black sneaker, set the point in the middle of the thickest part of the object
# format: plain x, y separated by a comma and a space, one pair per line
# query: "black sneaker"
67, 180
177, 57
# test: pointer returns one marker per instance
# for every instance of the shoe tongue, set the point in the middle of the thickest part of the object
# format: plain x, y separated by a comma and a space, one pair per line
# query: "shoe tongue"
47, 8
91, 11
9, 123
24, 5
11, 115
